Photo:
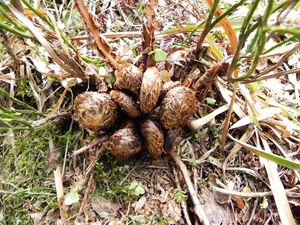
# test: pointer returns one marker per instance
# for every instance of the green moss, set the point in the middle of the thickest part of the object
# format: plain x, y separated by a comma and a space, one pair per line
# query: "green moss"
26, 175
109, 179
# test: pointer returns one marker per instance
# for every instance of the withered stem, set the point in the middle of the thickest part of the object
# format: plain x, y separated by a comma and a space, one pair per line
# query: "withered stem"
199, 211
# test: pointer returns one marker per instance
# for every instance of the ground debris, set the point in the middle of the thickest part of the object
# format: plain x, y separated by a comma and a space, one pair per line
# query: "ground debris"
216, 213
104, 208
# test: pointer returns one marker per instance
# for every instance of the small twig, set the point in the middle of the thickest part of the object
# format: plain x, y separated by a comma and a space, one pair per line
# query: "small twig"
6, 43
199, 211
289, 193
283, 59
92, 165
283, 73
43, 121
66, 151
133, 34
86, 195
96, 141
183, 203
58, 179
253, 212
130, 172
228, 117
206, 28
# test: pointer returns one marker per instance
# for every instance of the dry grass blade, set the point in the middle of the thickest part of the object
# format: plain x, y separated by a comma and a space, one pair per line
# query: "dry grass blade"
249, 99
133, 34
103, 47
60, 194
231, 99
64, 47
214, 47
196, 124
227, 94
277, 188
286, 155
265, 113
59, 102
246, 136
280, 51
270, 156
288, 192
283, 59
228, 117
68, 64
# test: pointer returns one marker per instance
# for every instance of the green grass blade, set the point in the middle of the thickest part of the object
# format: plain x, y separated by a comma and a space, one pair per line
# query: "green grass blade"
270, 156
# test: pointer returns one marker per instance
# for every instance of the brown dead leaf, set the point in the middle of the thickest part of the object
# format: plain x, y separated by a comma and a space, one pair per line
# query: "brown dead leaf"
227, 27
239, 202
52, 215
104, 208
217, 214
103, 46
178, 57
171, 210
67, 63
139, 204
37, 217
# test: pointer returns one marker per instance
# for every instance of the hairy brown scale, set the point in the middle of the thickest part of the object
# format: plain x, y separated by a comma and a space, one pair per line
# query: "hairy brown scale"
124, 143
127, 103
150, 89
177, 107
95, 111
129, 78
168, 86
154, 138
177, 104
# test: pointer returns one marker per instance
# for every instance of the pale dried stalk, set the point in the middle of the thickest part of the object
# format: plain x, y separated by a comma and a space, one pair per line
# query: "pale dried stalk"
58, 179
283, 59
95, 142
277, 188
183, 203
86, 195
228, 117
43, 121
196, 124
247, 135
289, 192
199, 211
